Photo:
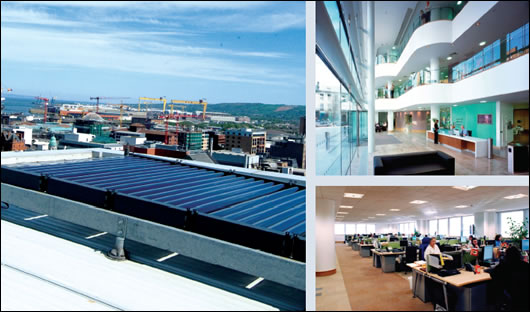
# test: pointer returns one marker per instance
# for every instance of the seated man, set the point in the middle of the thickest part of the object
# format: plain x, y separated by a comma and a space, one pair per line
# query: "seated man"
463, 131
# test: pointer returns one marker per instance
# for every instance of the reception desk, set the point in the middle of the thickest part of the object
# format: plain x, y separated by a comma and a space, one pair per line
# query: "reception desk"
477, 146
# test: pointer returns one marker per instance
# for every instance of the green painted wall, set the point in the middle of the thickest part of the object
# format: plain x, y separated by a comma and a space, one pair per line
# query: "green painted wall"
468, 115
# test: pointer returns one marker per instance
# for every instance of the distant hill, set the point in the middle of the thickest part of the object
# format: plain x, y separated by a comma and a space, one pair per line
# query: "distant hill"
271, 112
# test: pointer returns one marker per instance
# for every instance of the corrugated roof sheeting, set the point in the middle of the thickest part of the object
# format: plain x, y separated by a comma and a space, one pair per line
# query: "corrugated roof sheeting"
190, 193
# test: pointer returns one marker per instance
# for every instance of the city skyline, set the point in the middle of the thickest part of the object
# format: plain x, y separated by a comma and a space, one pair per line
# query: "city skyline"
221, 51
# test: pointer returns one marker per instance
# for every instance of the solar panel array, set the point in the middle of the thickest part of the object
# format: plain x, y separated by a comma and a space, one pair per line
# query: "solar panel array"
253, 202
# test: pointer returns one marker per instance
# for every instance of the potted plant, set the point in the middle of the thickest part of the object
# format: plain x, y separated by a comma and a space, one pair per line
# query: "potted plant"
518, 231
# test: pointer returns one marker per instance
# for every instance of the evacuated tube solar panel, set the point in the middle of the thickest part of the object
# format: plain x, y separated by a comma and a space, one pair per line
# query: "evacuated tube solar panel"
246, 200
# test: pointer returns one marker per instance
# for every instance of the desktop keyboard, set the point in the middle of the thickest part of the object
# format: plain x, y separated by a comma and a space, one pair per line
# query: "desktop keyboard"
444, 273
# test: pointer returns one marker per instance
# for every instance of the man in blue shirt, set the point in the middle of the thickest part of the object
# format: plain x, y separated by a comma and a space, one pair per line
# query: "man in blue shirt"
463, 131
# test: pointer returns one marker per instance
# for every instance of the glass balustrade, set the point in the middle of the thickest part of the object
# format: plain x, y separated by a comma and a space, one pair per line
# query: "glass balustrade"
510, 47
429, 15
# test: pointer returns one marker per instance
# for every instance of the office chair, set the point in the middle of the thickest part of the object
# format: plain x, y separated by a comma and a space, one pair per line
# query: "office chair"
410, 256
424, 243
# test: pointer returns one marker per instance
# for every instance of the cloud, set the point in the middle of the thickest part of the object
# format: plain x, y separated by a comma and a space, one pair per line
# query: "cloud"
124, 52
28, 16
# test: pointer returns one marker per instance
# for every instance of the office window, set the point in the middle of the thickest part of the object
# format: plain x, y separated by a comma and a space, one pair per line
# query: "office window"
443, 226
455, 226
412, 228
350, 228
361, 229
517, 216
339, 229
402, 227
467, 222
370, 228
433, 227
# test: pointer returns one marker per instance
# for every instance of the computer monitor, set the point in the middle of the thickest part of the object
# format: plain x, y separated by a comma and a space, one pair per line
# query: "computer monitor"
403, 243
442, 236
434, 261
463, 239
381, 236
488, 252
490, 242
525, 244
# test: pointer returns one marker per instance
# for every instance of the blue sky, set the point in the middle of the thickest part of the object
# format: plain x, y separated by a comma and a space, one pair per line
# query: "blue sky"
221, 51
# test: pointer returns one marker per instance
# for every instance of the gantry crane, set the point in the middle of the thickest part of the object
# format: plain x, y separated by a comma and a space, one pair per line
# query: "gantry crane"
121, 111
177, 106
199, 102
97, 98
160, 99
46, 102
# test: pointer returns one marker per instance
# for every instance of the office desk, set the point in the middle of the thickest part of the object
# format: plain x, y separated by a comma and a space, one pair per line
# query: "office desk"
376, 259
469, 288
365, 250
355, 246
387, 259
477, 146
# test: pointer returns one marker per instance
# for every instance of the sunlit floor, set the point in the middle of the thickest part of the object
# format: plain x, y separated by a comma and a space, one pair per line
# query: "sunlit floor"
367, 288
465, 162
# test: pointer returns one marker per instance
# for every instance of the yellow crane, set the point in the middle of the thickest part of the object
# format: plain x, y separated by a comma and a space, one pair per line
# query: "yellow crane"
160, 99
199, 102
121, 111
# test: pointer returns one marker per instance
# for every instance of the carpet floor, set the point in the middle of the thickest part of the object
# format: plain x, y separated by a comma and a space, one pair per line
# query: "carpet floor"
369, 289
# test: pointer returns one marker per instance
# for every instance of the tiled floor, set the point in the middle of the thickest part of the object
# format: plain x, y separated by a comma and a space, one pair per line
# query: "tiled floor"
465, 163
367, 288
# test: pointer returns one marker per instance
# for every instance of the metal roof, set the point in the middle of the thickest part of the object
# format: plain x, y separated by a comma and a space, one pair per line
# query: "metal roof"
243, 209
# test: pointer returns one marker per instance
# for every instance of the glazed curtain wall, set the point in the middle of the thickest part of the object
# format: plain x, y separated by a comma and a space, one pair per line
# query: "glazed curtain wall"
341, 123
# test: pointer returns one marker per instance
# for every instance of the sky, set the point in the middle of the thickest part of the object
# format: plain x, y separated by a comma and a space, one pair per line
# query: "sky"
219, 51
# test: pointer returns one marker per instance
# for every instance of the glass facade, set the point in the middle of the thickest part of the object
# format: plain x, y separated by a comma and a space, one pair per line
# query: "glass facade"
341, 123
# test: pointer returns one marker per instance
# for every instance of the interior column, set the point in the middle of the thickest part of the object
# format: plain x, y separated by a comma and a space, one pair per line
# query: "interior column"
435, 70
435, 114
325, 237
370, 86
390, 117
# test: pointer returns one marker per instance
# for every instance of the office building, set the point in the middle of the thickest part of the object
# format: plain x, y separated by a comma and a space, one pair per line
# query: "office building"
190, 140
134, 242
289, 148
356, 226
248, 140
387, 70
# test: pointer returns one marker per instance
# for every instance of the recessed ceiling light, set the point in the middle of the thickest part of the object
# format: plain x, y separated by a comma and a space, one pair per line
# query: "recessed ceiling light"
491, 209
464, 188
458, 2
418, 202
516, 196
461, 206
455, 105
380, 214
400, 80
427, 68
394, 47
342, 212
346, 207
477, 24
353, 195
449, 58
394, 209
482, 43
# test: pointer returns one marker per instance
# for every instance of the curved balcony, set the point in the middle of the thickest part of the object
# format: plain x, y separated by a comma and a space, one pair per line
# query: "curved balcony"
506, 82
434, 39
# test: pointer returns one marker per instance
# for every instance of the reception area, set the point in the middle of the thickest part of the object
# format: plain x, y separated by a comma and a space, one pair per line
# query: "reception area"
421, 248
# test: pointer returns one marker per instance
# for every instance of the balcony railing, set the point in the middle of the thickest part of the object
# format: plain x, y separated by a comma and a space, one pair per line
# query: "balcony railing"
512, 46
434, 14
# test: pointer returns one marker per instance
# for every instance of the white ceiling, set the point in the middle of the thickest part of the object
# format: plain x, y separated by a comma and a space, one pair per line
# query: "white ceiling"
441, 201
389, 16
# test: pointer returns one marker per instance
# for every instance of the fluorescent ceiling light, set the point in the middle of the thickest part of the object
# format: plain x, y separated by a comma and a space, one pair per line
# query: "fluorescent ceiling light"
400, 80
455, 105
430, 212
342, 212
346, 207
418, 202
380, 214
461, 206
427, 68
482, 101
491, 209
371, 217
449, 58
353, 195
482, 43
516, 196
464, 188
458, 2
394, 209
